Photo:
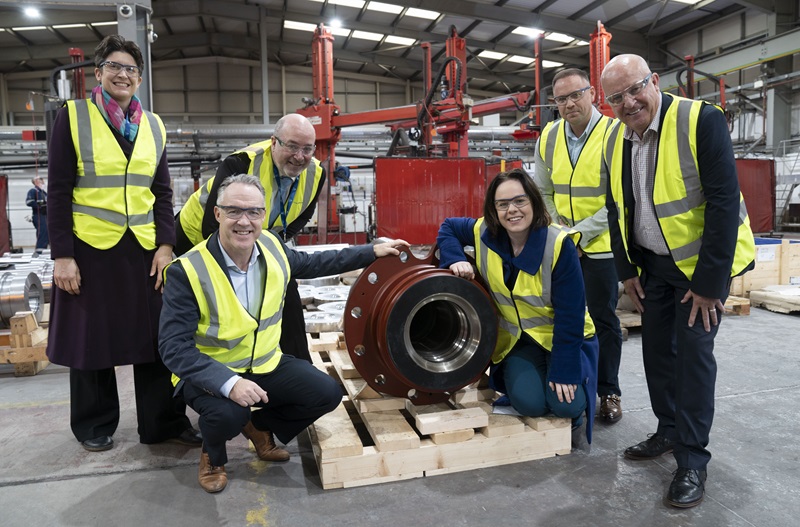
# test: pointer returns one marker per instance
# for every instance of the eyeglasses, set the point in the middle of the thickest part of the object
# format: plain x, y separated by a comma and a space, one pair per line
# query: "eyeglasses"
615, 99
518, 201
574, 96
236, 213
295, 149
116, 67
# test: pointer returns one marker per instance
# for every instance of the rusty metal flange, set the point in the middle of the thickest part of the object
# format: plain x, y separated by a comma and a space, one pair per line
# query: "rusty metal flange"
414, 330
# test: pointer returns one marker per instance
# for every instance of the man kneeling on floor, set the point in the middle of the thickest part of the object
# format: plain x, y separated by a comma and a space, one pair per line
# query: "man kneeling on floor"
220, 331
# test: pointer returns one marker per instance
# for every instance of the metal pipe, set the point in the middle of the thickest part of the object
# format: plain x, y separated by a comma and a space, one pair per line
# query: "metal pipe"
20, 291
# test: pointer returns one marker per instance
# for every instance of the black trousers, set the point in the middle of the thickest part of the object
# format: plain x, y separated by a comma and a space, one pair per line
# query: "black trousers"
298, 393
679, 362
293, 324
602, 293
94, 403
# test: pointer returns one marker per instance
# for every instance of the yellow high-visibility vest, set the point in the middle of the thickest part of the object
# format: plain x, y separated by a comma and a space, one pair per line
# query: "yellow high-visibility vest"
528, 306
227, 332
579, 191
677, 190
112, 193
260, 154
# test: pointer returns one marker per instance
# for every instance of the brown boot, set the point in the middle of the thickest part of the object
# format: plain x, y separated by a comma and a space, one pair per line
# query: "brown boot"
264, 444
212, 479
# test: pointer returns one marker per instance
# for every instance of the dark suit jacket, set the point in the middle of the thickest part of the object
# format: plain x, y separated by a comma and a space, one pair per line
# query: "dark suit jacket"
181, 314
720, 184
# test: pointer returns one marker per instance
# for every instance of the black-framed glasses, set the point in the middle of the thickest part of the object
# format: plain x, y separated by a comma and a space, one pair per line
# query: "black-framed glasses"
615, 99
116, 67
236, 213
574, 96
296, 149
518, 201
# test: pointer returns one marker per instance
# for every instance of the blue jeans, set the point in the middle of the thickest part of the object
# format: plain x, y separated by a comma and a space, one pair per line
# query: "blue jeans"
524, 373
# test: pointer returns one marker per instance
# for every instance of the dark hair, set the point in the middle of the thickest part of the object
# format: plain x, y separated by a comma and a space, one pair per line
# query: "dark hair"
113, 43
541, 218
569, 72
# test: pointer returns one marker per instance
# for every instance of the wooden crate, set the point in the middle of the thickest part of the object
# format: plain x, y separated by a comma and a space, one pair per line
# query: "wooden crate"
372, 438
27, 345
776, 264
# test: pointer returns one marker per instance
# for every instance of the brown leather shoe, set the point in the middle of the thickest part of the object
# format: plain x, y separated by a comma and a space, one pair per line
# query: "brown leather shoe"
264, 444
211, 478
610, 408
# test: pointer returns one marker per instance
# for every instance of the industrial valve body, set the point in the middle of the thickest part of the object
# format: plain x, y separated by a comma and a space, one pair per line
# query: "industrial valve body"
416, 331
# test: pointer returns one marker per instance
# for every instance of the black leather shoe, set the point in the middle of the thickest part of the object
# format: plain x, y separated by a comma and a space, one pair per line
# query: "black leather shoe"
651, 448
189, 437
687, 488
98, 444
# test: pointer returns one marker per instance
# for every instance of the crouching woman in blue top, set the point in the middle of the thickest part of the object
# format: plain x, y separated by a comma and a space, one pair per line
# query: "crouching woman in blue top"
546, 355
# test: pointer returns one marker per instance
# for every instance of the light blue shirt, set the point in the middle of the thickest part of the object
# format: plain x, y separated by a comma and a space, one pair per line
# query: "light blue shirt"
249, 289
574, 143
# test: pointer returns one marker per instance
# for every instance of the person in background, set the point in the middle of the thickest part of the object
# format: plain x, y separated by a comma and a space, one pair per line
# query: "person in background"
221, 331
546, 355
679, 232
292, 179
573, 179
37, 201
110, 215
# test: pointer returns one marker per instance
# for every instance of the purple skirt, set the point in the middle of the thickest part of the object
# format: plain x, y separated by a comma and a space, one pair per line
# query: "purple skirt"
114, 319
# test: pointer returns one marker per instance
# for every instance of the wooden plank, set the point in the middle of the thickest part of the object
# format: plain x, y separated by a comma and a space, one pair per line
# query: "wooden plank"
23, 323
5, 337
471, 395
629, 319
453, 436
499, 424
27, 369
541, 424
434, 418
325, 342
390, 431
18, 355
735, 305
356, 388
336, 436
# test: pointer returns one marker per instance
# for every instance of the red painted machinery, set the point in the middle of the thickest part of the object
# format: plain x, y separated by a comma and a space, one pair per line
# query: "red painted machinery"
447, 117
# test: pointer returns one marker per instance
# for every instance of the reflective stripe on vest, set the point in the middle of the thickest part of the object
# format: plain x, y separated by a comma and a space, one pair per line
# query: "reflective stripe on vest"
677, 189
226, 331
579, 191
260, 155
113, 193
528, 307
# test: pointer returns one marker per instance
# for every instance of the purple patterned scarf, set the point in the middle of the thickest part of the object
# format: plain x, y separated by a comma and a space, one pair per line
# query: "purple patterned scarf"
128, 125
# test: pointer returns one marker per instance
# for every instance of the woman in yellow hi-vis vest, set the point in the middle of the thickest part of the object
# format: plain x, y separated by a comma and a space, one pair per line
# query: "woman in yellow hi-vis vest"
546, 356
112, 232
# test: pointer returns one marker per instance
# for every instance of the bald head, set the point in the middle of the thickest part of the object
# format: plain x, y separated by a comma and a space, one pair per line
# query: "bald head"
625, 76
293, 133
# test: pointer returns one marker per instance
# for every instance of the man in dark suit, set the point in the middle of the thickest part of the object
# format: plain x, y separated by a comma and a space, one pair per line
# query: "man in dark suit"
221, 326
679, 233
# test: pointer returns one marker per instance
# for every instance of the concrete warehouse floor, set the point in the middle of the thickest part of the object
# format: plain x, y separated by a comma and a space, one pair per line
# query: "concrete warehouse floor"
47, 479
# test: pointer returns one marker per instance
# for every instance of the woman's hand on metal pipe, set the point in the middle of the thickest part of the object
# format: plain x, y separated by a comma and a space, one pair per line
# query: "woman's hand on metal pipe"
67, 276
463, 269
565, 392
161, 259
389, 248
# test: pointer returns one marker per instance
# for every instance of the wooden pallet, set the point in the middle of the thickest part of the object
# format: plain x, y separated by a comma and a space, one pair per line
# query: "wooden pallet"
734, 305
778, 298
372, 438
27, 345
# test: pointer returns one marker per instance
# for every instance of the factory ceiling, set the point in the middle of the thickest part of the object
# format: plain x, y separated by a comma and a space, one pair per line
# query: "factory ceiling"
379, 39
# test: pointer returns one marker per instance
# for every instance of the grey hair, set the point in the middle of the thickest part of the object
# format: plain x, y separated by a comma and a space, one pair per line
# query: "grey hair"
244, 179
